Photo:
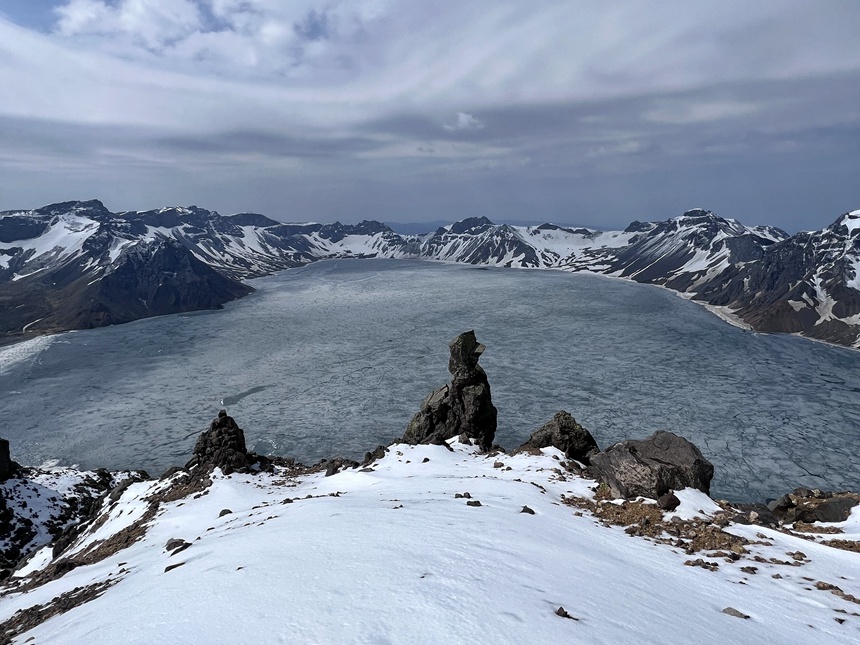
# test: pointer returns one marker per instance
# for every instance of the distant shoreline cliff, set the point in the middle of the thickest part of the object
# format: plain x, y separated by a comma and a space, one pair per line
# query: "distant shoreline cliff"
76, 265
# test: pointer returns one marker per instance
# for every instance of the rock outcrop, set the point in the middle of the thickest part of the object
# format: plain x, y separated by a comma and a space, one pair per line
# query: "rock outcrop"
464, 407
222, 446
652, 467
8, 468
805, 505
564, 433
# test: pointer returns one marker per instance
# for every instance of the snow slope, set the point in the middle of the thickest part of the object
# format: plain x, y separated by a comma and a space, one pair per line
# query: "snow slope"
393, 555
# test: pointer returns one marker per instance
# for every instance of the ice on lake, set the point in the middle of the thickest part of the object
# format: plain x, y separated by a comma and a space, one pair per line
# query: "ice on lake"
334, 358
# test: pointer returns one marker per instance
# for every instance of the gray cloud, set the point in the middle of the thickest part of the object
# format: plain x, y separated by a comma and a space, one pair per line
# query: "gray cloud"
310, 110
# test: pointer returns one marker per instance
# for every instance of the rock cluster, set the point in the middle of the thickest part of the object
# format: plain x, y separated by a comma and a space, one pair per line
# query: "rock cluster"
652, 467
805, 505
564, 433
464, 407
222, 446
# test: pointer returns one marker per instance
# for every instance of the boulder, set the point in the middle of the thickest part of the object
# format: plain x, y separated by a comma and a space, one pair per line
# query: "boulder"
652, 467
564, 433
8, 468
836, 509
463, 407
824, 507
222, 446
668, 501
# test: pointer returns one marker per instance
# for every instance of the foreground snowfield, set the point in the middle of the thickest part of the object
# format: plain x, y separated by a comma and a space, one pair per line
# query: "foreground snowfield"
392, 556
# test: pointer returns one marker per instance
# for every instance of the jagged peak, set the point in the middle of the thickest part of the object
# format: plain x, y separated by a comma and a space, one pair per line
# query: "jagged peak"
91, 205
370, 227
850, 220
699, 215
549, 226
469, 224
252, 219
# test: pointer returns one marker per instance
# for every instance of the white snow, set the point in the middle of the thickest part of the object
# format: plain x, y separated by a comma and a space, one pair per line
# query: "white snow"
22, 352
694, 503
392, 556
63, 240
852, 221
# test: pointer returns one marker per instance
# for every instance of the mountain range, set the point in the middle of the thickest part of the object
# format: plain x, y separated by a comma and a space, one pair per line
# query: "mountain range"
76, 265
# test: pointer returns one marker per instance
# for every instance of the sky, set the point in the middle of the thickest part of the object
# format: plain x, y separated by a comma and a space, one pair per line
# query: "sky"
572, 111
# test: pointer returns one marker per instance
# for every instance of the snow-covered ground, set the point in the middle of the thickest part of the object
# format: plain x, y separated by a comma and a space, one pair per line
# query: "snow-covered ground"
395, 555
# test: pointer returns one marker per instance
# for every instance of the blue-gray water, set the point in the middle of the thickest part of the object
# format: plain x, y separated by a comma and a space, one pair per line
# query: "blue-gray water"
334, 358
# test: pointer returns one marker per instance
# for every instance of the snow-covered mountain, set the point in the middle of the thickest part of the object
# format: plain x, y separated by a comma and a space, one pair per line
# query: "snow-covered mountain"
428, 544
84, 264
809, 283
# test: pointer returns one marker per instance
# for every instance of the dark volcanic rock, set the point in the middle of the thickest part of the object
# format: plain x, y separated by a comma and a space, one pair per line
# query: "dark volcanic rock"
830, 510
804, 505
564, 433
462, 407
668, 502
653, 466
8, 468
222, 446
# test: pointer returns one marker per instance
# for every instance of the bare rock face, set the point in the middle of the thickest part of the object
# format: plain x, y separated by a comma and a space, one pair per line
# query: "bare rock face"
564, 433
8, 468
464, 407
222, 446
652, 467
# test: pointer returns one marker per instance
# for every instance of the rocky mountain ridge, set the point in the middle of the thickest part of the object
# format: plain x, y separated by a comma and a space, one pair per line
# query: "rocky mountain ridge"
77, 265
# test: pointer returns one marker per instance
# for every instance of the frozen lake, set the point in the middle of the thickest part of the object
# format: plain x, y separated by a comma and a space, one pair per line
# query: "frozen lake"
334, 358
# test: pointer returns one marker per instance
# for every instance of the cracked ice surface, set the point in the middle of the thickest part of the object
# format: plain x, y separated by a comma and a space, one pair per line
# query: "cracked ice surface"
335, 358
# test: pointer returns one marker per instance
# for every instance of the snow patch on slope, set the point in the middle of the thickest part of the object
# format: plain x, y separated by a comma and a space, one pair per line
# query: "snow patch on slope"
391, 554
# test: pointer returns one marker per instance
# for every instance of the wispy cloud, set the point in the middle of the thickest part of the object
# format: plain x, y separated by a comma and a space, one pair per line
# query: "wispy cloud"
464, 122
392, 99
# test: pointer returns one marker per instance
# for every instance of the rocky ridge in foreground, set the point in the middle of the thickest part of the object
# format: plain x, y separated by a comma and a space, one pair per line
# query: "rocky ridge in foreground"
387, 547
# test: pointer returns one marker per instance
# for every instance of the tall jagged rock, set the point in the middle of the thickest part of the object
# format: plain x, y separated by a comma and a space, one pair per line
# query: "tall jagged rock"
564, 433
222, 446
463, 407
653, 466
8, 468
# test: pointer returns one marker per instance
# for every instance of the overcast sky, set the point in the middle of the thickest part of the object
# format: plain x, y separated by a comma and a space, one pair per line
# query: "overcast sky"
590, 113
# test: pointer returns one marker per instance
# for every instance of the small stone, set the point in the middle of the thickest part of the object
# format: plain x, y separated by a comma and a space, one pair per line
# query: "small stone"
174, 543
458, 495
668, 502
225, 511
170, 567
473, 502
332, 469
526, 509
467, 495
425, 460
731, 611
498, 464
561, 611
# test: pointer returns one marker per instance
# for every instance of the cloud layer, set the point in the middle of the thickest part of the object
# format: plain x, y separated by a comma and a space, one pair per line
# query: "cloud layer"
580, 112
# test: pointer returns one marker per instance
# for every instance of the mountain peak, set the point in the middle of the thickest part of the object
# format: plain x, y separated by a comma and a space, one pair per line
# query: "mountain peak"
90, 206
470, 225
